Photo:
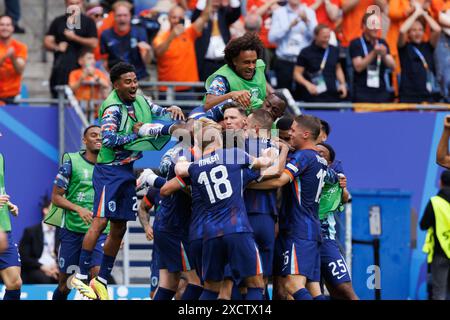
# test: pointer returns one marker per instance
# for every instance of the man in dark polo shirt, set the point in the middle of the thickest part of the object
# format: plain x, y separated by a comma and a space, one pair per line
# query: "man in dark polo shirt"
67, 36
125, 42
370, 57
317, 70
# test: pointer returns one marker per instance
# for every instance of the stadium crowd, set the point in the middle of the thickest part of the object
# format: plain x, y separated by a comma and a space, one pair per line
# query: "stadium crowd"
320, 50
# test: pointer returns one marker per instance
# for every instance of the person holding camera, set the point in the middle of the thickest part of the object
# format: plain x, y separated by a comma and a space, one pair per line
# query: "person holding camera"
318, 68
175, 49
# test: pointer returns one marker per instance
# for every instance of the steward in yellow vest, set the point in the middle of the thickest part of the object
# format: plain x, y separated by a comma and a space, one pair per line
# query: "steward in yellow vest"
436, 220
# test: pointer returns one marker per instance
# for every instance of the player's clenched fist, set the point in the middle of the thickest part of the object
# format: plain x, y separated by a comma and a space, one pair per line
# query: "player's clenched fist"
242, 97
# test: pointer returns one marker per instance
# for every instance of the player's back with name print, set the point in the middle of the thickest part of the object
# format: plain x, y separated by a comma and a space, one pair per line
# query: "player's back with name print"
218, 178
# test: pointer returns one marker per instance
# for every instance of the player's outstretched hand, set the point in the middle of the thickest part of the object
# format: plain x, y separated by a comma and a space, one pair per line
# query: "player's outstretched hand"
13, 209
146, 178
176, 113
85, 215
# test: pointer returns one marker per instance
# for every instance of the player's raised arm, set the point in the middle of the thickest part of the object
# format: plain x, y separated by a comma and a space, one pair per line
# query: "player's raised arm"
172, 186
276, 170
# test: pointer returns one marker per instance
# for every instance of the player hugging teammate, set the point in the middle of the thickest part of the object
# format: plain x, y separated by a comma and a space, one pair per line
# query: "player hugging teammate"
239, 235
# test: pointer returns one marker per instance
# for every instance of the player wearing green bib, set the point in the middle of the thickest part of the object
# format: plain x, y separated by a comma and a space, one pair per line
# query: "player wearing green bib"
73, 199
242, 78
333, 267
9, 257
127, 130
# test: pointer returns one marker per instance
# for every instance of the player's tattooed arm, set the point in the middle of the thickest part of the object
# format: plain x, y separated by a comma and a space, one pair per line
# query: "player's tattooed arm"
144, 218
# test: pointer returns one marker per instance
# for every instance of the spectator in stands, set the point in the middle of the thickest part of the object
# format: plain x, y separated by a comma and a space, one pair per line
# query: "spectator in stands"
328, 13
352, 12
210, 46
370, 58
292, 30
318, 69
242, 79
399, 11
264, 9
66, 38
253, 23
13, 56
436, 220
12, 9
349, 29
416, 57
442, 52
38, 251
175, 49
125, 42
95, 11
89, 83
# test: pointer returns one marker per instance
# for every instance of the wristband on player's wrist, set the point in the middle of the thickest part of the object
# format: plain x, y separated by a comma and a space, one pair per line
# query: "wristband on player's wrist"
181, 181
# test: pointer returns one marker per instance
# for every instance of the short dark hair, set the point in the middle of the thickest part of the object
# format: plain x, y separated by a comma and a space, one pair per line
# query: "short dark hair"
319, 28
45, 202
119, 69
284, 123
330, 150
8, 16
325, 126
282, 97
85, 51
422, 21
248, 42
310, 122
263, 117
234, 105
89, 128
445, 178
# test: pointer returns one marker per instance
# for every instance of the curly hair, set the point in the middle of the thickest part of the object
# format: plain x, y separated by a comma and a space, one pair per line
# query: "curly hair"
248, 42
119, 69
